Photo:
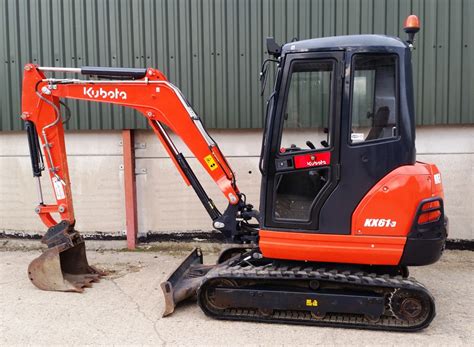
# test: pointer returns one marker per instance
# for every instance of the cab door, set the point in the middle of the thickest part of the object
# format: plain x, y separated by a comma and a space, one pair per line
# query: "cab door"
302, 166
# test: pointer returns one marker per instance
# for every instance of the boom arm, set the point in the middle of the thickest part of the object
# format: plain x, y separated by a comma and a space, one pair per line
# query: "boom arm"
158, 100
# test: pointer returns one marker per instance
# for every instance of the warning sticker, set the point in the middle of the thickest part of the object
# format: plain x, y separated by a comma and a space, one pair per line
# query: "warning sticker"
58, 188
210, 162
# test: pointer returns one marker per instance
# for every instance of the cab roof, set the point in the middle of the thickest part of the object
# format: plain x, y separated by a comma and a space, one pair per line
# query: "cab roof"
344, 42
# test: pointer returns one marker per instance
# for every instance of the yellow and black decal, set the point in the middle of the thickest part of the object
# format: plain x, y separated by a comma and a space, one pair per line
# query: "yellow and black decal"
311, 302
210, 162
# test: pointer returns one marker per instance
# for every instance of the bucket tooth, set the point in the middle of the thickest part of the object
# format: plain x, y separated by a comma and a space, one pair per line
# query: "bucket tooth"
63, 266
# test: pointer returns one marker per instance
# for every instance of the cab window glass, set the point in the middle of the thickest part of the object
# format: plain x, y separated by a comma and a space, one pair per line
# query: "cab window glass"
374, 98
307, 113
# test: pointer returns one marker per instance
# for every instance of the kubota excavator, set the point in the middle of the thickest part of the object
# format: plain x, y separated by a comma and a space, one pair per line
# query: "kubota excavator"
345, 207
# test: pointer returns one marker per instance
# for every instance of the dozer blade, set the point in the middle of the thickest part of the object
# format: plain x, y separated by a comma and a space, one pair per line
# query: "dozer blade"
184, 281
63, 266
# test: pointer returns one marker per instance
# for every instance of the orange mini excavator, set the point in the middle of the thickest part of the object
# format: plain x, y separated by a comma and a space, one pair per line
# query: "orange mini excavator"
345, 207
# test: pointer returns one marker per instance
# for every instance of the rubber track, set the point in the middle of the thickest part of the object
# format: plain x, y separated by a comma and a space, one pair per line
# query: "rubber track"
356, 279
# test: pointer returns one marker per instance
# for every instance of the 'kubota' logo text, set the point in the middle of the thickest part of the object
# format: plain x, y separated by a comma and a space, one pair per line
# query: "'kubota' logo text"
316, 163
104, 94
380, 223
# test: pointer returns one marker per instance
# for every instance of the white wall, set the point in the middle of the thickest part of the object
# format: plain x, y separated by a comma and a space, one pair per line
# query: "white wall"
166, 204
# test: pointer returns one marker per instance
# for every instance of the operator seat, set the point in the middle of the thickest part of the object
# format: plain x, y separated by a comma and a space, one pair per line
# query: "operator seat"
380, 124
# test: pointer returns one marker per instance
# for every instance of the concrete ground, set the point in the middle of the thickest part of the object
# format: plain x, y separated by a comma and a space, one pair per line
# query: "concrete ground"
125, 307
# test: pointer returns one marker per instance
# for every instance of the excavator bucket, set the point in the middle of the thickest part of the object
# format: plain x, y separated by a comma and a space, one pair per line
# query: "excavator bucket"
63, 266
184, 281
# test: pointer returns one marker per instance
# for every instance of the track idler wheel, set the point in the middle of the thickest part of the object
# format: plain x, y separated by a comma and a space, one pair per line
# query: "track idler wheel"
63, 266
212, 301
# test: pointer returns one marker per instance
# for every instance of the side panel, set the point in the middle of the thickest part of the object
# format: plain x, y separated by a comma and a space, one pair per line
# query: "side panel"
374, 250
389, 207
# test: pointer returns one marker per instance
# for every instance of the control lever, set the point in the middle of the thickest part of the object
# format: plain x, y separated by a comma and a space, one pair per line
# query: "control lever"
310, 145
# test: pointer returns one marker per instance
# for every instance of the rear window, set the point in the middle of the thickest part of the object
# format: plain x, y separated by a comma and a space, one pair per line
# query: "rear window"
374, 113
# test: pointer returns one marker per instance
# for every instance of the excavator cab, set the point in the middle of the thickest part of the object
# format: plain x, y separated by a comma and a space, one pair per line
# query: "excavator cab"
341, 119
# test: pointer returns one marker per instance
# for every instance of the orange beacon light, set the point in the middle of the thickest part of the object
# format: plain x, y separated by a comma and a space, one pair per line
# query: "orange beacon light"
411, 27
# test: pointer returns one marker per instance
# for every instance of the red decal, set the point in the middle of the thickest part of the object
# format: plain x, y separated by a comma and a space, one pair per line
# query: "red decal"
312, 160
